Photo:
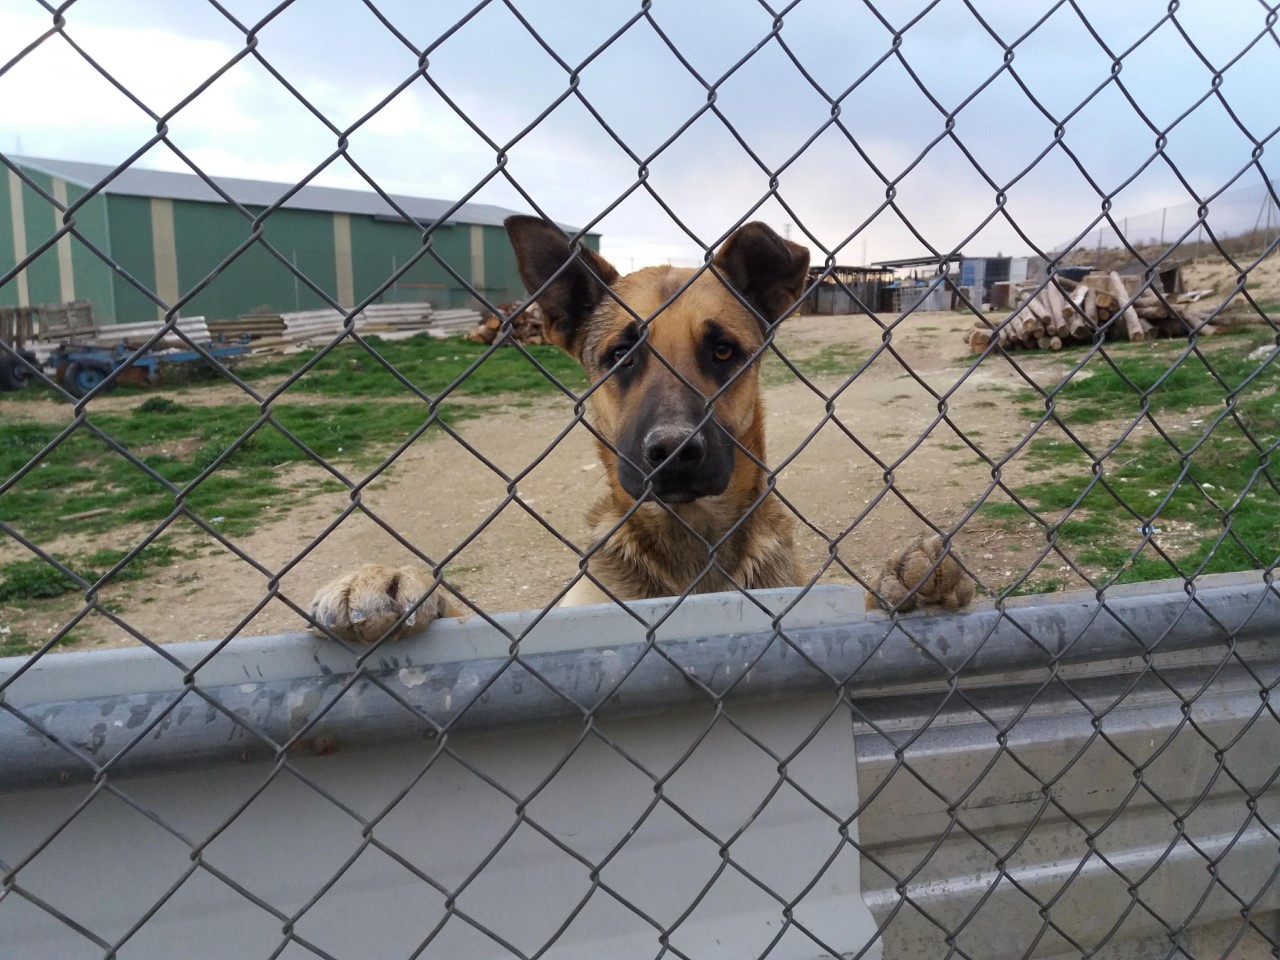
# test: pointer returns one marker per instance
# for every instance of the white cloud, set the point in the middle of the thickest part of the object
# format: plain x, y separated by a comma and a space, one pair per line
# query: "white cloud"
62, 91
344, 62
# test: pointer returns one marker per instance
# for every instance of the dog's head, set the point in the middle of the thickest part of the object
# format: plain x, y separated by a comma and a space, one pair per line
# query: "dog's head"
655, 408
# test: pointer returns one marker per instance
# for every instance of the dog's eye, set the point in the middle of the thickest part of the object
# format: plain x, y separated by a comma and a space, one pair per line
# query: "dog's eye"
621, 354
723, 352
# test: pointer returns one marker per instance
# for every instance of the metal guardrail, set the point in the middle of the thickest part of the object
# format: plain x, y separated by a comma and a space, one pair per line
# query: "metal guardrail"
982, 813
121, 731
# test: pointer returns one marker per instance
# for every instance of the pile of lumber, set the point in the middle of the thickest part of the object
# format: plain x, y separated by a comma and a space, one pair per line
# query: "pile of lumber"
134, 335
453, 323
1062, 312
526, 326
392, 321
61, 321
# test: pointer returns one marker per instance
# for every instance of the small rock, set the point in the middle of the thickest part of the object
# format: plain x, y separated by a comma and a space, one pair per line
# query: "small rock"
1261, 353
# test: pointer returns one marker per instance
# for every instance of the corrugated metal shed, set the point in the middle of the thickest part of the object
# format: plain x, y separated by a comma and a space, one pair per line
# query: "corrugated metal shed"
147, 242
141, 182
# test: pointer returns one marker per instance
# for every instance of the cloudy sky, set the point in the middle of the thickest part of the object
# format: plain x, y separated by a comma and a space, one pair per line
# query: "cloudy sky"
896, 69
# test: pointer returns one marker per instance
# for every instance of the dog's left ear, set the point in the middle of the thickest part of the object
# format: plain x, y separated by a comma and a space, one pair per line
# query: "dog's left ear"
580, 279
766, 270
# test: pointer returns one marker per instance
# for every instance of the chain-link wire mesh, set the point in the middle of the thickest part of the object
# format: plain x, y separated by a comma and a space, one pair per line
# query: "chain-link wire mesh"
1100, 464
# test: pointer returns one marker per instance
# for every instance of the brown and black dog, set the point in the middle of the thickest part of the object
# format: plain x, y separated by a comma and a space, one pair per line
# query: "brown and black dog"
679, 419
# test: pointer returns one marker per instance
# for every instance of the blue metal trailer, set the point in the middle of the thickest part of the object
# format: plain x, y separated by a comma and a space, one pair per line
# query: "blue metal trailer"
80, 368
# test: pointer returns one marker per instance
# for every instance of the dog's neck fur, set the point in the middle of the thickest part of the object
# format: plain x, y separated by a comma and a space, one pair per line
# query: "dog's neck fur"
660, 550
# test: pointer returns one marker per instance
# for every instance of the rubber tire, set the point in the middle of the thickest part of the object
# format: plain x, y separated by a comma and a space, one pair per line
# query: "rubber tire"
14, 374
83, 375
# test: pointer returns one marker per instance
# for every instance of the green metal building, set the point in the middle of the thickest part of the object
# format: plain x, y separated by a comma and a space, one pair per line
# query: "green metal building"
174, 234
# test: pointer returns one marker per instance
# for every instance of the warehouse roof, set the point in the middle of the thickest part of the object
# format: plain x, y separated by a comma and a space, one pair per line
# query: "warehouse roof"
921, 261
141, 182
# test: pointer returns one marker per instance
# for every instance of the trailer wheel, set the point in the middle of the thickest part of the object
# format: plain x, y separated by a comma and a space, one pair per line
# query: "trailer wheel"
14, 374
83, 375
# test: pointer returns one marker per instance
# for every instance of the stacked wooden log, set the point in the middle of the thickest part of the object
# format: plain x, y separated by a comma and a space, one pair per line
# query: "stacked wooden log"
1063, 312
526, 326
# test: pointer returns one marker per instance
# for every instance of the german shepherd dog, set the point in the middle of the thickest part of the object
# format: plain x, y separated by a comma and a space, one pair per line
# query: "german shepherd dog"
679, 420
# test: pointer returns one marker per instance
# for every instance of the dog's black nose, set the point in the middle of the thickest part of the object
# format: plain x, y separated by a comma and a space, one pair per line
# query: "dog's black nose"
661, 443
676, 462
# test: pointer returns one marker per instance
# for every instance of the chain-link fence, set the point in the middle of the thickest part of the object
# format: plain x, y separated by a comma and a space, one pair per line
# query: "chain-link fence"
1078, 760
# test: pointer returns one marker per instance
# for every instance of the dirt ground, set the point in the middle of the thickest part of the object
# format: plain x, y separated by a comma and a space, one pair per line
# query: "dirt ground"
858, 477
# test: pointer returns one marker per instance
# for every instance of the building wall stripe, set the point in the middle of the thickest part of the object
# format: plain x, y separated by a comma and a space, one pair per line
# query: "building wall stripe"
477, 256
19, 227
344, 270
164, 250
66, 269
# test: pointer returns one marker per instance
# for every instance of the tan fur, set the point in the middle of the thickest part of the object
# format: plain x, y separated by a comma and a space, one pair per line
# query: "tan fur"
363, 605
925, 566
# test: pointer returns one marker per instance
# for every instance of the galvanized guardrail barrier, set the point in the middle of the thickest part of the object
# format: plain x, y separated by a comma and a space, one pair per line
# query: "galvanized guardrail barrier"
720, 794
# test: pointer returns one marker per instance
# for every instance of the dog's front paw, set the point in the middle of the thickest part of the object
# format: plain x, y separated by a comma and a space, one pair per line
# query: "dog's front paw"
915, 575
363, 605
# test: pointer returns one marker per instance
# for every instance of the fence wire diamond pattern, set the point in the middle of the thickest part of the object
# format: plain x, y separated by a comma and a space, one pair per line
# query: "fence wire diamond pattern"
1137, 493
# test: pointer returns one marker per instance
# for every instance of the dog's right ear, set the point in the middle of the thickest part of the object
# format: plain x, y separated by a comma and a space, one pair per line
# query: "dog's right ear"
542, 252
768, 272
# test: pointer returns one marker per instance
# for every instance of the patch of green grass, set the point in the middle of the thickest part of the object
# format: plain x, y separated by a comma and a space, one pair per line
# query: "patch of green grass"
1002, 511
158, 404
349, 370
34, 579
1031, 587
1045, 454
14, 644
1224, 490
1214, 501
18, 644
31, 580
1009, 516
1118, 386
225, 465
428, 364
835, 360
177, 444
838, 359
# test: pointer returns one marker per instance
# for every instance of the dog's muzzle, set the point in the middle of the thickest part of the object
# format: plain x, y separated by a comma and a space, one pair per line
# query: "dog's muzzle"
681, 463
